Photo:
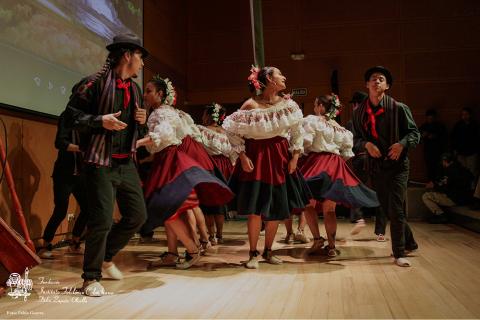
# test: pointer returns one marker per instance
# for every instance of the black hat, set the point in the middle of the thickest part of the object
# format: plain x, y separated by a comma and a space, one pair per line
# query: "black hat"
358, 97
447, 156
127, 40
381, 70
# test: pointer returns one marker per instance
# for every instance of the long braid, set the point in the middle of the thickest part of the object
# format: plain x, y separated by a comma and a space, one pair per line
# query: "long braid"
103, 71
80, 89
111, 62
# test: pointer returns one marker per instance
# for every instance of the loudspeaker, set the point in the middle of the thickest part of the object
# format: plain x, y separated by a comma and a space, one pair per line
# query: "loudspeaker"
15, 256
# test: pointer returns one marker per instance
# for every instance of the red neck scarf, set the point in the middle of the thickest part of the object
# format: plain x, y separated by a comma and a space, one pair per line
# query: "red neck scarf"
125, 85
372, 119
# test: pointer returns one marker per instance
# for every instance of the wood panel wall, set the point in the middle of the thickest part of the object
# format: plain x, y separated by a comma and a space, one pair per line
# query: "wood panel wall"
31, 155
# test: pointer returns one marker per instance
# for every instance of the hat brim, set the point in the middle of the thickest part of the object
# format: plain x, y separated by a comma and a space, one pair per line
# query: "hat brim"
129, 45
381, 70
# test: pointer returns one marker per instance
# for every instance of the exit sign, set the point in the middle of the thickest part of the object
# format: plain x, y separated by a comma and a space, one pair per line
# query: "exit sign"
299, 92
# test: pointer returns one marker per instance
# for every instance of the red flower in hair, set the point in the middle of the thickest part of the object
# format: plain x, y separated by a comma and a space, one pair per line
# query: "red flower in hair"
336, 108
174, 98
253, 77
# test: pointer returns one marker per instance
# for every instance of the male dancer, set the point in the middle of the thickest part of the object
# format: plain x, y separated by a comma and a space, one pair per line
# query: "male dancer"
106, 108
386, 130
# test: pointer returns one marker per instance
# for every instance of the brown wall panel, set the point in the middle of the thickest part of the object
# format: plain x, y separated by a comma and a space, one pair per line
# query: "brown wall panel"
429, 34
346, 39
37, 159
439, 9
219, 75
14, 141
345, 11
31, 155
441, 65
165, 36
212, 16
230, 46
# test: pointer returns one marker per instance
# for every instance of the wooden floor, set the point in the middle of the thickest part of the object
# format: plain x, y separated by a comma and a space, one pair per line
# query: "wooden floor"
362, 282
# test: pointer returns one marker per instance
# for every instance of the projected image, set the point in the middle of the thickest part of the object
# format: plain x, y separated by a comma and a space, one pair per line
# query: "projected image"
48, 45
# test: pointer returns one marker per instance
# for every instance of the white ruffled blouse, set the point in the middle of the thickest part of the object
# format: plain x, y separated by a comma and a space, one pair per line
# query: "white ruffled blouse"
217, 143
322, 135
168, 126
283, 119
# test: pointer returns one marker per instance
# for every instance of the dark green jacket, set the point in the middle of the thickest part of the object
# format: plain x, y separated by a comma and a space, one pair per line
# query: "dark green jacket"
396, 124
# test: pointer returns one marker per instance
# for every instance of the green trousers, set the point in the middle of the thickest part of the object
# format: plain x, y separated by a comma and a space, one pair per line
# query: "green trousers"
104, 239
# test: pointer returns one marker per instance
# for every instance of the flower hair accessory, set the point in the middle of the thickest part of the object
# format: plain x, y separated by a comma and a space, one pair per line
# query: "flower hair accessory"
335, 108
253, 78
216, 116
170, 96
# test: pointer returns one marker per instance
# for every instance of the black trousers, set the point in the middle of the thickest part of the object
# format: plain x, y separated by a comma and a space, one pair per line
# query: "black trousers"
381, 220
390, 183
64, 185
358, 167
104, 239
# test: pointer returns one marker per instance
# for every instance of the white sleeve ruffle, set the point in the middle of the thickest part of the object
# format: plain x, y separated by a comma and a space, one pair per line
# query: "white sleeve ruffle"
188, 126
161, 130
216, 143
237, 142
297, 135
347, 145
309, 135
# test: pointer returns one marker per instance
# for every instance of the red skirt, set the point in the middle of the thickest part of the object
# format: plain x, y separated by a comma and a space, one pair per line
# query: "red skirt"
223, 171
196, 151
329, 177
269, 190
174, 176
223, 164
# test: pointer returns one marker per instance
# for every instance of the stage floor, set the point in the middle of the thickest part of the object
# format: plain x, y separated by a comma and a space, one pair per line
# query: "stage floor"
362, 282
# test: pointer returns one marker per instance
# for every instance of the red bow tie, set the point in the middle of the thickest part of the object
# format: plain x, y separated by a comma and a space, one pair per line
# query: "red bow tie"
125, 85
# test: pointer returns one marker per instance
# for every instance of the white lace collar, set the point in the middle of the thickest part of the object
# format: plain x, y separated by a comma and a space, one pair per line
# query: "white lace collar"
280, 116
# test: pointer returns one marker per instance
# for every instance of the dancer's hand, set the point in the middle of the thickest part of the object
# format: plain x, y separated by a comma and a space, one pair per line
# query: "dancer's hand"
373, 150
144, 142
110, 121
292, 164
73, 147
247, 164
395, 151
140, 114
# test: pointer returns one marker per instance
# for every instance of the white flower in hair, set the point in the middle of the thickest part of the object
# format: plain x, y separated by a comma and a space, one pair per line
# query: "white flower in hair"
216, 112
216, 108
171, 94
335, 108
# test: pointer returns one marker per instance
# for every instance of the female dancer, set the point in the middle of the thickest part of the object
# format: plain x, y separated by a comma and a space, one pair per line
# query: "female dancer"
267, 134
330, 180
219, 148
180, 179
